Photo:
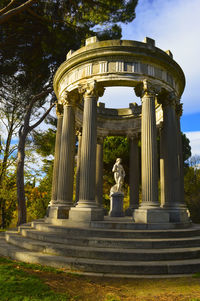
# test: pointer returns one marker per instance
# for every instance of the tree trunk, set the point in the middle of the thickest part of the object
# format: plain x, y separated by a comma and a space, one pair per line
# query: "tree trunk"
20, 180
3, 217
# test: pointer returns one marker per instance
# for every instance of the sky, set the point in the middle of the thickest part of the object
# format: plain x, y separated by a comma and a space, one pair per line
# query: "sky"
175, 26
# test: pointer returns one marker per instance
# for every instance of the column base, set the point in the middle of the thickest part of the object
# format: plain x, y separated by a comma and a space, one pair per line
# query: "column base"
178, 215
58, 212
129, 211
146, 216
86, 215
116, 204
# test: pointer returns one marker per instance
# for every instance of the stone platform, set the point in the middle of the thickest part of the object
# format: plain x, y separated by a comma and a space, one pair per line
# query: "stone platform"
109, 248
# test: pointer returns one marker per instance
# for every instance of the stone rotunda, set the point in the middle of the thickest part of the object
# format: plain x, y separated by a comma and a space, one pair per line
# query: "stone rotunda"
159, 81
154, 238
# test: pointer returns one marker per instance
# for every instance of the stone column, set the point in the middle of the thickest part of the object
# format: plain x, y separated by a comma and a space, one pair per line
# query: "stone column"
134, 174
179, 111
79, 134
170, 161
64, 201
87, 209
54, 191
149, 210
99, 172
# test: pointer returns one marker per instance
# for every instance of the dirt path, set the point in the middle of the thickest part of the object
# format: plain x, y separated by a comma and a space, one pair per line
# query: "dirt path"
90, 288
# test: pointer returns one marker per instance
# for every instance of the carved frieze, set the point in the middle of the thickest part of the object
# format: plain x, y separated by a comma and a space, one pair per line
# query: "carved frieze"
110, 66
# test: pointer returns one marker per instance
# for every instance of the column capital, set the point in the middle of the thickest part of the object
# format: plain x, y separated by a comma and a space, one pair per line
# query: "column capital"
66, 99
145, 88
133, 136
59, 109
91, 89
167, 98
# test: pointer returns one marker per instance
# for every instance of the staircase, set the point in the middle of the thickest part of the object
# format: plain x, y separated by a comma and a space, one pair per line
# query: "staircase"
114, 247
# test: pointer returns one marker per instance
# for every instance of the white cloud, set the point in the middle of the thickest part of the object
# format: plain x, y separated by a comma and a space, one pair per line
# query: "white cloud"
174, 25
194, 138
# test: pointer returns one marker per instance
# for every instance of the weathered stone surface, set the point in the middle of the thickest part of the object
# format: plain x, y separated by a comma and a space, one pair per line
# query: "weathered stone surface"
150, 216
116, 204
134, 174
99, 172
54, 191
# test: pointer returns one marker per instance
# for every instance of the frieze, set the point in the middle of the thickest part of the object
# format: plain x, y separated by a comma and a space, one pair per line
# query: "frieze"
108, 67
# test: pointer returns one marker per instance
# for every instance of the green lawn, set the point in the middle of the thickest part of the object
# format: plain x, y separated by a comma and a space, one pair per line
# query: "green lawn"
30, 282
17, 284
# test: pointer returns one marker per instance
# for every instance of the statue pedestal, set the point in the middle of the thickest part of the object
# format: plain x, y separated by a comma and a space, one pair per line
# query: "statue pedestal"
116, 204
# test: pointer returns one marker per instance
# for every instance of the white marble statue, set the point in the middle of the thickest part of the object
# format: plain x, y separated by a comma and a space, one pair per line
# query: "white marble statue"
119, 175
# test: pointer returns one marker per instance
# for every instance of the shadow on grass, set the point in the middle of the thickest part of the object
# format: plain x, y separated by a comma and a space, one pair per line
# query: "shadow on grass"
17, 284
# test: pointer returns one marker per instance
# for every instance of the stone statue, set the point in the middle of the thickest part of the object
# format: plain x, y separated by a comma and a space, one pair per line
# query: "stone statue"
119, 175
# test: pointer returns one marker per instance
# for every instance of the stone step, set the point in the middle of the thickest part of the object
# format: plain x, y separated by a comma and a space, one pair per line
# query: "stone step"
107, 242
116, 233
103, 267
102, 253
128, 224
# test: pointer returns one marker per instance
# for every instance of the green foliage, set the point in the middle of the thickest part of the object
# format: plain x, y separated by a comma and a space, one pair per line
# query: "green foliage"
17, 284
39, 197
186, 147
192, 192
8, 199
114, 147
44, 142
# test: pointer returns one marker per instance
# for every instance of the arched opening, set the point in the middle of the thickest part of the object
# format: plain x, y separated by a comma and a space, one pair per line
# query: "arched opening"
119, 97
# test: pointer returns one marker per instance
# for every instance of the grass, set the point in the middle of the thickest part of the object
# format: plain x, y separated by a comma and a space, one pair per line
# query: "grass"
31, 282
17, 284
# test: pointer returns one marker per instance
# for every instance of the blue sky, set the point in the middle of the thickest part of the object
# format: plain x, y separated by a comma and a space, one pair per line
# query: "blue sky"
175, 26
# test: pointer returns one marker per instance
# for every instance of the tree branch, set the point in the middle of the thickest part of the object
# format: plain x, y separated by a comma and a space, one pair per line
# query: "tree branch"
5, 9
7, 15
34, 99
42, 118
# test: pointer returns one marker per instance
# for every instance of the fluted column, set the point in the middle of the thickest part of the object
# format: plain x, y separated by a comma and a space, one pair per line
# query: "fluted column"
79, 134
61, 206
169, 177
99, 172
67, 153
179, 111
171, 180
87, 208
134, 174
54, 191
149, 150
149, 210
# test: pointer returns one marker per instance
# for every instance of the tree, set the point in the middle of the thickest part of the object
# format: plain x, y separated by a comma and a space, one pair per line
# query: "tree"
186, 148
10, 113
9, 11
8, 195
24, 130
80, 11
40, 45
192, 192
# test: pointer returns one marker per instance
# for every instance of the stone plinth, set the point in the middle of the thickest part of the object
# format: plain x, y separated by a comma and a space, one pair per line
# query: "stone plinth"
179, 215
116, 204
58, 212
148, 215
86, 215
